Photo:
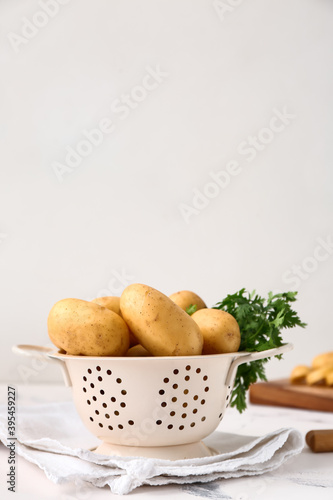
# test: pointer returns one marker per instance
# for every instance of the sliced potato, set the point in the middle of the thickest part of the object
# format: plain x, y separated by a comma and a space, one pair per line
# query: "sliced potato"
299, 374
319, 374
329, 378
322, 359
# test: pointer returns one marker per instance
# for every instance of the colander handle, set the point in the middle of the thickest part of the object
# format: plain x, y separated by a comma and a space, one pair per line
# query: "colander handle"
253, 356
41, 352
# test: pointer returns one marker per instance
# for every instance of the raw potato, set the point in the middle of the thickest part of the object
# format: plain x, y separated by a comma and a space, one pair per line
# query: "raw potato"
322, 359
299, 374
84, 328
137, 351
318, 375
113, 303
321, 371
329, 378
185, 299
220, 331
162, 327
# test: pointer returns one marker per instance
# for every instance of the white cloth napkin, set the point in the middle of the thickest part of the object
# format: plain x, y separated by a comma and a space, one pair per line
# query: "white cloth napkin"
53, 437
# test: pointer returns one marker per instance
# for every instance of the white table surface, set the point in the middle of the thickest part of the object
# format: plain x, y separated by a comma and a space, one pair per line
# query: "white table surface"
307, 476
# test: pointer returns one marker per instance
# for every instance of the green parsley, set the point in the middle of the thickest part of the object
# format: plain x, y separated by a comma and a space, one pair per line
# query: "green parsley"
260, 321
191, 309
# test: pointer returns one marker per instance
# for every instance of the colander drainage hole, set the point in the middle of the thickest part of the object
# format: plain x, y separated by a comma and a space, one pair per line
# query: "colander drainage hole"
184, 415
118, 380
175, 386
85, 378
131, 422
198, 370
166, 380
188, 367
203, 419
176, 371
91, 419
97, 412
187, 378
196, 397
206, 389
84, 389
105, 405
101, 425
158, 422
172, 413
116, 413
92, 386
227, 397
124, 392
102, 392
109, 372
107, 415
220, 415
89, 403
203, 401
174, 399
205, 377
120, 426
163, 404
98, 368
170, 426
123, 405
161, 392
186, 391
94, 398
181, 427
195, 410
110, 427
192, 424
100, 378
89, 370
113, 399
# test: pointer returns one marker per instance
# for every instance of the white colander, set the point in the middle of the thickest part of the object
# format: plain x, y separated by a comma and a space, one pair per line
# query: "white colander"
151, 406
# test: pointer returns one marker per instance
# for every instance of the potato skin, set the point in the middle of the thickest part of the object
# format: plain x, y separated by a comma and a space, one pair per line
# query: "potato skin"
220, 331
161, 327
112, 303
185, 299
137, 351
322, 359
83, 328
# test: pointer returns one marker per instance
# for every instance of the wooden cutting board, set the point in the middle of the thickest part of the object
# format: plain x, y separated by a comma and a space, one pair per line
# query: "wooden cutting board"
283, 393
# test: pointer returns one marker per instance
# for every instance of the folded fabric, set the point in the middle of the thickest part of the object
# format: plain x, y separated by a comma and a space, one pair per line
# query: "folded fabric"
53, 437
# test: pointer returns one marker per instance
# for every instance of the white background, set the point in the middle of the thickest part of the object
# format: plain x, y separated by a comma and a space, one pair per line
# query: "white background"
118, 212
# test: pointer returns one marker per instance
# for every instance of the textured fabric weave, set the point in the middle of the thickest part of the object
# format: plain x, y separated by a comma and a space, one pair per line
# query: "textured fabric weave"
53, 437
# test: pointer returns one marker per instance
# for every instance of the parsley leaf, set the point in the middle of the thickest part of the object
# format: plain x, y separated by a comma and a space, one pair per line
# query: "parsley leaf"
260, 321
191, 309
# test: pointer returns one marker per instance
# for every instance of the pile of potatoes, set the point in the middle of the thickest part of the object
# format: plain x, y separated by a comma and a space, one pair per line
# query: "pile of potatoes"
320, 373
142, 322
